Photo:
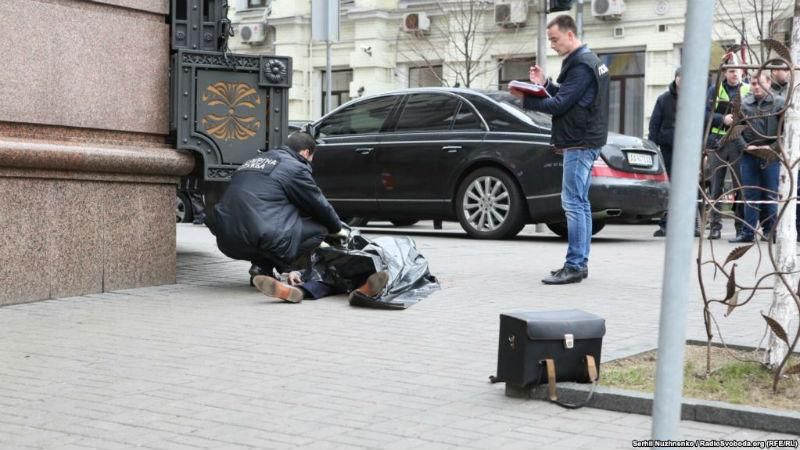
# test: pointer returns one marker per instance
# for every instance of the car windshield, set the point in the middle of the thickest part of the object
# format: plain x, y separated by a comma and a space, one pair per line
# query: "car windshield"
514, 106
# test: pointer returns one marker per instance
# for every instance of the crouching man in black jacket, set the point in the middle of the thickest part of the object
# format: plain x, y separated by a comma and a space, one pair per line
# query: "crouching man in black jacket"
273, 214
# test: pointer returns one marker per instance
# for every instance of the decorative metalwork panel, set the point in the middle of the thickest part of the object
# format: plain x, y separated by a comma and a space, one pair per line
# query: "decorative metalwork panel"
232, 111
199, 24
275, 71
228, 107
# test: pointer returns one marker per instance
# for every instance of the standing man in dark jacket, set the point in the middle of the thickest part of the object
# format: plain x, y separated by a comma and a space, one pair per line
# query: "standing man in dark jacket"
662, 132
579, 105
759, 175
273, 214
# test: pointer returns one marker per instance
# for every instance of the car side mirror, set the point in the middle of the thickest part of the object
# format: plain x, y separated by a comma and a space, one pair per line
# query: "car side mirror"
310, 129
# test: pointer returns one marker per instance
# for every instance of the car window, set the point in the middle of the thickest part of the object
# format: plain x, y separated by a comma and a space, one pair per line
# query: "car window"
428, 112
466, 119
365, 117
513, 106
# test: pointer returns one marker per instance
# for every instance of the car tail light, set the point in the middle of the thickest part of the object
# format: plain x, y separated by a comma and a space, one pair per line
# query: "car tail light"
601, 169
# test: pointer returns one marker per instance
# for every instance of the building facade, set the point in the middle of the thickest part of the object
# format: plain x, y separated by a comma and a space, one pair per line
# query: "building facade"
392, 44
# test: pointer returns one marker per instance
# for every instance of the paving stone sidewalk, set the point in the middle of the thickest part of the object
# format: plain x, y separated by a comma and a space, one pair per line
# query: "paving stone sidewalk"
210, 363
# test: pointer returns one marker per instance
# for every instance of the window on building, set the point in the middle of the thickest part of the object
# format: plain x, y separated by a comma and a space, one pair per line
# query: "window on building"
340, 88
514, 69
626, 92
256, 3
428, 112
425, 76
365, 117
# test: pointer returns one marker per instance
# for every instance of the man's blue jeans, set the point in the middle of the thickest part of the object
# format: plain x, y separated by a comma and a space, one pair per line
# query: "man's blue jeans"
756, 173
575, 201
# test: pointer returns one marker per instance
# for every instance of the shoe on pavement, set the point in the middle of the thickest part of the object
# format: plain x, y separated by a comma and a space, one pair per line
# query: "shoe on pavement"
374, 284
661, 232
565, 275
273, 288
741, 239
584, 271
714, 234
696, 232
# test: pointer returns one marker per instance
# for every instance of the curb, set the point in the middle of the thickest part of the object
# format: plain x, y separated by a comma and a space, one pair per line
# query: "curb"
708, 411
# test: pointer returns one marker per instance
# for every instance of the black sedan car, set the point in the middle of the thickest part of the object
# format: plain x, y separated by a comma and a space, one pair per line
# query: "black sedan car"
472, 156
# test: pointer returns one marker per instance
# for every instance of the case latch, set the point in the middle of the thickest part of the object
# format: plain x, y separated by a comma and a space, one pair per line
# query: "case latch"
569, 340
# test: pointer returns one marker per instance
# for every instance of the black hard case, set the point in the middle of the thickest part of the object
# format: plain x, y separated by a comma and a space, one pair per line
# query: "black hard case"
528, 338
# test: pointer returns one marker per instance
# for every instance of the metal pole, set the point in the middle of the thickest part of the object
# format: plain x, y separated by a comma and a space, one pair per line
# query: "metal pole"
541, 48
682, 209
328, 77
579, 20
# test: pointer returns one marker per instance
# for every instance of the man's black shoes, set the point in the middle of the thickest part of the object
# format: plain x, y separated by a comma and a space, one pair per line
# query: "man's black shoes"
584, 271
741, 239
661, 232
714, 234
566, 275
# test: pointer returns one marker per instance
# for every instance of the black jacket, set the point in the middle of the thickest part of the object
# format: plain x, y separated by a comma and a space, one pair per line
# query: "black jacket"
767, 126
585, 127
260, 213
662, 121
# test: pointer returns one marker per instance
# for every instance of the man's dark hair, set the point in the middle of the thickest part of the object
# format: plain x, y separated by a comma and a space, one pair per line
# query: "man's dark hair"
564, 23
299, 141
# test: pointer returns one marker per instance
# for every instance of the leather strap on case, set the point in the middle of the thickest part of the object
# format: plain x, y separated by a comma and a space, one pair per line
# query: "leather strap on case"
591, 369
551, 379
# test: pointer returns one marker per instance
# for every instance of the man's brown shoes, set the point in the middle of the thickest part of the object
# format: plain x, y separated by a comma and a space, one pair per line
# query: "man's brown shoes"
273, 288
374, 285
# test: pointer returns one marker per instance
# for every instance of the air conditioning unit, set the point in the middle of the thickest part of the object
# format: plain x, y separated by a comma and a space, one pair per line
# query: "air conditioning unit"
417, 22
608, 9
511, 14
252, 33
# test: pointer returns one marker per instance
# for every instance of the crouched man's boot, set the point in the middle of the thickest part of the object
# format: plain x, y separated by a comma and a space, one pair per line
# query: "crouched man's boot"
566, 275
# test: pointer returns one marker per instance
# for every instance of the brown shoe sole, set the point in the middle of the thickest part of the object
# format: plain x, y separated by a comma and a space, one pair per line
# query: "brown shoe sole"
375, 284
273, 288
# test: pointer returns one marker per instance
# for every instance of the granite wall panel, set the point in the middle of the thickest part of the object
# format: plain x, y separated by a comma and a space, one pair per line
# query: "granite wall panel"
71, 237
84, 64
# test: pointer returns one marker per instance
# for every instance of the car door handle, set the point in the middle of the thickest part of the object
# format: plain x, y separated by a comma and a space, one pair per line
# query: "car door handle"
451, 148
364, 150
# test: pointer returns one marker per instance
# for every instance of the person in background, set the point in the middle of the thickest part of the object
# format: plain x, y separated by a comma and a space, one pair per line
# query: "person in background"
722, 158
780, 86
759, 175
662, 132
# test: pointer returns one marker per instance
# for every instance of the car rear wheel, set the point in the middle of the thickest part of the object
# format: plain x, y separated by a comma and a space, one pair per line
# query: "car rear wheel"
183, 208
489, 205
560, 228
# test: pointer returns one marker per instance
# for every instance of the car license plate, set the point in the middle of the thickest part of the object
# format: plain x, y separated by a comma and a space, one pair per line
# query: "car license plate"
640, 159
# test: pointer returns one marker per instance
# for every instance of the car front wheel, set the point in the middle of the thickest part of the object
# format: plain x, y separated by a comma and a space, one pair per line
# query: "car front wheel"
489, 205
183, 208
560, 228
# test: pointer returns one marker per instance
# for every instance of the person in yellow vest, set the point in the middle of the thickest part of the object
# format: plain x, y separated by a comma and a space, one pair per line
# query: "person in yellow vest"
723, 158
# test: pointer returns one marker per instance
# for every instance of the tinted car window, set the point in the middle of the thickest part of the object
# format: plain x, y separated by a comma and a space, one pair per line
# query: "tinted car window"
361, 118
514, 106
466, 119
428, 112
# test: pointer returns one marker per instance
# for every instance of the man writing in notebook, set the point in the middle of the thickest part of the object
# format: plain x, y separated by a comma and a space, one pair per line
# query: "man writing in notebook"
579, 106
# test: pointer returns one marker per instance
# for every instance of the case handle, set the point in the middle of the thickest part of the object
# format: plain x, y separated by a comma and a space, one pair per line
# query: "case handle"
552, 393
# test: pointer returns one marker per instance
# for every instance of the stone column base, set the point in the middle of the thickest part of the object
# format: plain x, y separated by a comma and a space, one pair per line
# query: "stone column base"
79, 219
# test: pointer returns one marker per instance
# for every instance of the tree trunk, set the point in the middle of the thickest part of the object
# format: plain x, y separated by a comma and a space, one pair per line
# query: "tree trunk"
783, 308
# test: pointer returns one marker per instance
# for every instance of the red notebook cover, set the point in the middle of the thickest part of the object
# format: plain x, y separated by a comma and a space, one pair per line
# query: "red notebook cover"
537, 90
